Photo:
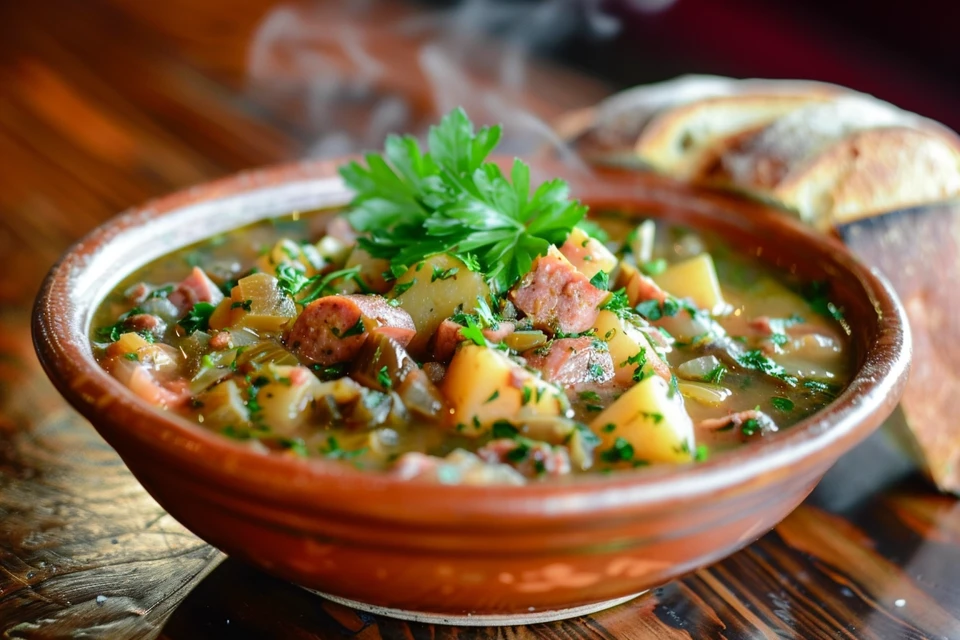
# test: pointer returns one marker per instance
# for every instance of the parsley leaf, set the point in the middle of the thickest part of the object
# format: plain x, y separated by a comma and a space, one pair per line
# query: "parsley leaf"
756, 360
455, 202
198, 318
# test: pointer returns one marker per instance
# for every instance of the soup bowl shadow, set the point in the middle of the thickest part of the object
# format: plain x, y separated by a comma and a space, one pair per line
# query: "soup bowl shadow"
462, 553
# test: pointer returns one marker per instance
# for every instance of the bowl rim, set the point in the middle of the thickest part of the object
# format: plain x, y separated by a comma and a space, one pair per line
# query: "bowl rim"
62, 344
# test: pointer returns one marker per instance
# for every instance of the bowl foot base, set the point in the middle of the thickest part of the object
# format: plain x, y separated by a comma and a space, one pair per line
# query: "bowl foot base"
480, 620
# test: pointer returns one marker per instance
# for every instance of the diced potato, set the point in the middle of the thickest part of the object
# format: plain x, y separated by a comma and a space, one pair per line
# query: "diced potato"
433, 290
652, 419
222, 315
223, 406
483, 385
624, 342
126, 344
694, 278
259, 304
587, 254
371, 272
285, 402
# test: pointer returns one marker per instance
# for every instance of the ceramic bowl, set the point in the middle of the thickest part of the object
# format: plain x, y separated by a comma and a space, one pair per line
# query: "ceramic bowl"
458, 553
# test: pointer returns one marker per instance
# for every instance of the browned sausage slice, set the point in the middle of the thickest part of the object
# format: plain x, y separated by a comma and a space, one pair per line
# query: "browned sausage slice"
557, 297
572, 361
334, 328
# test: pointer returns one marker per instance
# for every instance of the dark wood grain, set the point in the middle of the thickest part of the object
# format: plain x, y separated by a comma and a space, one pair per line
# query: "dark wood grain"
104, 107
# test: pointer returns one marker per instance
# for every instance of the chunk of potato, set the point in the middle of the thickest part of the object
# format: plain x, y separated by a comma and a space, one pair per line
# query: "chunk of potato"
652, 418
223, 406
286, 401
587, 254
371, 273
433, 290
624, 342
483, 385
304, 257
694, 278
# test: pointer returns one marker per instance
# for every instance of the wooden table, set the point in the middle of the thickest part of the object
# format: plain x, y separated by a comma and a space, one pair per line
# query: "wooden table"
106, 103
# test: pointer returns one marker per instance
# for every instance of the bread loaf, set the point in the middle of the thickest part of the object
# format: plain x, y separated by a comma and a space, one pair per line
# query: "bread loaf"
829, 154
839, 159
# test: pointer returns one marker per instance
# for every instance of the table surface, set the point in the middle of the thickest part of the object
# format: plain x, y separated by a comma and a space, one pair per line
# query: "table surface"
104, 107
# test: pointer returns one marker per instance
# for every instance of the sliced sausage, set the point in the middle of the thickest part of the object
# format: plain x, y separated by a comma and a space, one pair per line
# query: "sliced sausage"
196, 287
449, 334
557, 297
571, 361
334, 328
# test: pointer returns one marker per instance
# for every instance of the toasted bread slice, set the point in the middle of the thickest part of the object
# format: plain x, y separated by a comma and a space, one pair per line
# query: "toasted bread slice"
847, 158
678, 141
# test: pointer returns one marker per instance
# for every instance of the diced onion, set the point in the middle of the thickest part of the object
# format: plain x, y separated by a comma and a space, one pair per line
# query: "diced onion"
698, 368
708, 394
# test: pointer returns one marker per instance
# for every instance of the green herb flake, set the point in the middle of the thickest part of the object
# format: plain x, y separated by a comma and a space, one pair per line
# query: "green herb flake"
595, 371
782, 404
609, 428
132, 356
246, 305
702, 453
443, 274
355, 330
601, 280
198, 318
493, 396
620, 451
384, 379
716, 374
504, 429
654, 267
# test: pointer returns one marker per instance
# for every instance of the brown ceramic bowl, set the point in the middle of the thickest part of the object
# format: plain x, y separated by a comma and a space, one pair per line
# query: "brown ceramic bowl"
552, 548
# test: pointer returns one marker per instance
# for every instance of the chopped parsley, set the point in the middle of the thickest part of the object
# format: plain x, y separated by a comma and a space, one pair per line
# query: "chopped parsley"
132, 356
653, 310
640, 360
620, 451
702, 453
504, 429
782, 404
401, 288
198, 318
755, 359
716, 374
331, 449
384, 379
443, 274
617, 303
493, 396
750, 427
592, 400
654, 267
595, 371
355, 330
161, 292
601, 280
246, 305
473, 333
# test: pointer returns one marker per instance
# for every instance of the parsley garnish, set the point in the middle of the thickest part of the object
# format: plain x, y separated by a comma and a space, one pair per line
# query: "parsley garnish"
702, 453
443, 274
654, 310
131, 356
355, 330
246, 305
333, 451
400, 289
601, 280
198, 318
782, 404
716, 374
454, 202
621, 450
161, 292
618, 303
750, 427
756, 360
504, 429
595, 371
472, 332
384, 379
640, 360
654, 267
291, 281
493, 396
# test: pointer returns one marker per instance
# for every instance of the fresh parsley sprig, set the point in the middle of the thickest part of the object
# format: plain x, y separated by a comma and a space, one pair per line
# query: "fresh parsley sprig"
411, 204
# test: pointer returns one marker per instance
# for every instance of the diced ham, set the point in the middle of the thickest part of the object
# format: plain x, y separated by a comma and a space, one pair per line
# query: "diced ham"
449, 334
641, 288
735, 421
531, 459
571, 361
334, 328
196, 287
221, 340
557, 297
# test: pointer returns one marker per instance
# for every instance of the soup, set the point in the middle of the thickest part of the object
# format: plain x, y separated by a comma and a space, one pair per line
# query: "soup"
428, 338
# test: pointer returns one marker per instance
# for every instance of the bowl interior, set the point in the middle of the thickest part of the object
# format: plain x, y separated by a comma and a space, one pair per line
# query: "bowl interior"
94, 266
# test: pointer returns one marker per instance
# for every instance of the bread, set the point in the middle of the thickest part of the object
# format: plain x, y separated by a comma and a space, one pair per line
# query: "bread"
840, 160
829, 154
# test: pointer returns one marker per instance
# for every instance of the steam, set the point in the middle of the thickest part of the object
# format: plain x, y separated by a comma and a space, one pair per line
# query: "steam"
350, 74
